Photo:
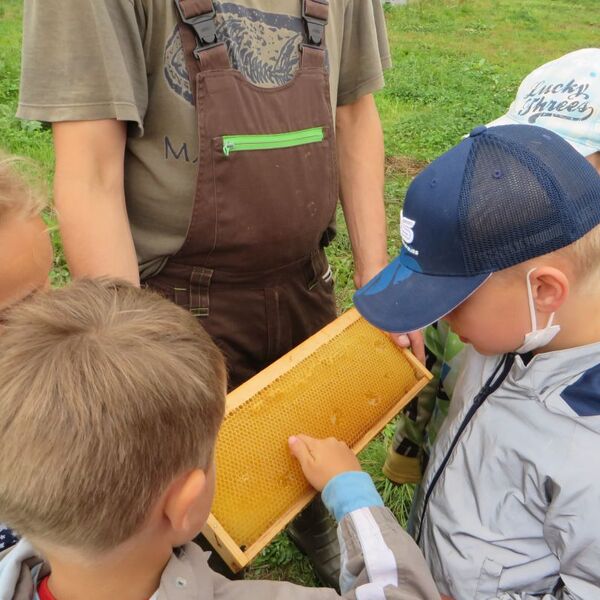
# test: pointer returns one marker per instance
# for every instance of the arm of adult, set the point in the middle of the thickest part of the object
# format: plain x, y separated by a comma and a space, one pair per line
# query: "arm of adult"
364, 56
360, 159
88, 78
90, 199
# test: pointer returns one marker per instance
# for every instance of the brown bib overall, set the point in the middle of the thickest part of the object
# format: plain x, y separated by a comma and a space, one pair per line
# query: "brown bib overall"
252, 266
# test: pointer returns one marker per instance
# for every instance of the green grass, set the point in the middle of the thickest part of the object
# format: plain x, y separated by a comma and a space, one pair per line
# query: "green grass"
457, 64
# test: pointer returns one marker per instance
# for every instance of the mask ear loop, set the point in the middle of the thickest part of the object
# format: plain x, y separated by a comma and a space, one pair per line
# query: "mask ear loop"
532, 314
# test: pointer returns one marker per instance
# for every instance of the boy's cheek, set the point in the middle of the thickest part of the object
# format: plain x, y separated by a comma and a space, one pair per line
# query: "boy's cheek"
491, 345
27, 262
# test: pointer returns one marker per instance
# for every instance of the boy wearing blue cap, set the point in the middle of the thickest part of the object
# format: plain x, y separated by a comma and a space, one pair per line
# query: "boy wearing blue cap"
563, 96
502, 241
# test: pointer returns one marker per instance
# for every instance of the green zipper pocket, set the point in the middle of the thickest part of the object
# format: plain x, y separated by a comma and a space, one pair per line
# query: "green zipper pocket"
243, 143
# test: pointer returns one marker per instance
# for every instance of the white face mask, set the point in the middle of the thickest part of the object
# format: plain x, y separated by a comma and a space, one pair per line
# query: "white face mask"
537, 338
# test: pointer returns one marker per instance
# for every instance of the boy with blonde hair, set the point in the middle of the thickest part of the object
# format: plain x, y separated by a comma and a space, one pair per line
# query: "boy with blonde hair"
111, 398
505, 246
24, 242
25, 249
562, 95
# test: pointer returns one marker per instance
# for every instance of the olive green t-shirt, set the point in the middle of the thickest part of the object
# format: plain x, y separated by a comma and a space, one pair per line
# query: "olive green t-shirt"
122, 59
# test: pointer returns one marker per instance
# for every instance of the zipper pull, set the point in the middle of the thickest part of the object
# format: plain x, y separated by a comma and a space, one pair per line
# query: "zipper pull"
228, 146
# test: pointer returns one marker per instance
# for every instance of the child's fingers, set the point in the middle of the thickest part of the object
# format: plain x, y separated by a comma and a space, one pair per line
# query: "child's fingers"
311, 443
300, 449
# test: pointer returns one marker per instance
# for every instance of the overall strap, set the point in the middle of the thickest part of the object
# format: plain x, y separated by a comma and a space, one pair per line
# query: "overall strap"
198, 32
315, 14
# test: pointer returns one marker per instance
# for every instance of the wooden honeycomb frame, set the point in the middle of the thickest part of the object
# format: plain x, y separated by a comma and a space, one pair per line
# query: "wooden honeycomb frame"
237, 556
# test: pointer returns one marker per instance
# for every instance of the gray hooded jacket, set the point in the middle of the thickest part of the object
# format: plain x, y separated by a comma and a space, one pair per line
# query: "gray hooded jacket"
509, 507
379, 562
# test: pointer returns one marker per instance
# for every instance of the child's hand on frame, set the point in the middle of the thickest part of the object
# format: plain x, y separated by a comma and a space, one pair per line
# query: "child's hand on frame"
322, 460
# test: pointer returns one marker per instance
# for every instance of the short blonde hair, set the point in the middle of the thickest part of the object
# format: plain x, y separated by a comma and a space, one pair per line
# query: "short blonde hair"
17, 196
107, 393
584, 255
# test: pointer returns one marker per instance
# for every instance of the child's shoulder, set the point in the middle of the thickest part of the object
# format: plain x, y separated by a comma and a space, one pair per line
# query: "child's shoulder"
582, 395
188, 568
20, 565
568, 383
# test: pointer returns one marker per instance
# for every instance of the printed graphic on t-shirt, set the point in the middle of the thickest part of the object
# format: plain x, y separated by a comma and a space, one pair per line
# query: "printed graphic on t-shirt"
262, 46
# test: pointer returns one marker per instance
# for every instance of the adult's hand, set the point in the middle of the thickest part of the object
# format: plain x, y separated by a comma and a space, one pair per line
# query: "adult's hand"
90, 199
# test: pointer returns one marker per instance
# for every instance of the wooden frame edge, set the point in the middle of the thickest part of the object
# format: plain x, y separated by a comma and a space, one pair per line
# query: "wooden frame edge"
284, 520
251, 387
224, 544
362, 443
420, 369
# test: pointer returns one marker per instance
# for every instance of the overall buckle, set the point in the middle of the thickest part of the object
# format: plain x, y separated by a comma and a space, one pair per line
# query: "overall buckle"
203, 26
315, 28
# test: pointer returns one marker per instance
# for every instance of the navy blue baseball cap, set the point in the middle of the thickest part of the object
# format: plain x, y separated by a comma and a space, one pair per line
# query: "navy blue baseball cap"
503, 196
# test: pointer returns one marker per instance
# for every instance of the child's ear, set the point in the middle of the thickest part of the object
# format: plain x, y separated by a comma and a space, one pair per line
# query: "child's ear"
182, 500
550, 287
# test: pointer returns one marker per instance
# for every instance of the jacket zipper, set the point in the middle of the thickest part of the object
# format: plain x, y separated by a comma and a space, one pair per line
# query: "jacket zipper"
243, 143
491, 385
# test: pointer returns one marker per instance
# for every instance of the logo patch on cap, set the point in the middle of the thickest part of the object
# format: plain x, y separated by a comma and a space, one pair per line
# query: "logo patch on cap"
407, 233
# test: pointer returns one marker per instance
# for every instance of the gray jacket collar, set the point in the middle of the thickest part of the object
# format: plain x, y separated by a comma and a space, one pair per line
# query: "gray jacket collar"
546, 372
187, 575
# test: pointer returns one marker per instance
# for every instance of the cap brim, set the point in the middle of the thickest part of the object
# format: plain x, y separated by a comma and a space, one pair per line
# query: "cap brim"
401, 300
583, 149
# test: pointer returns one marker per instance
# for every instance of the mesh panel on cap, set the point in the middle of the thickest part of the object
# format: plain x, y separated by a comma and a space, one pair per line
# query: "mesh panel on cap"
579, 179
524, 194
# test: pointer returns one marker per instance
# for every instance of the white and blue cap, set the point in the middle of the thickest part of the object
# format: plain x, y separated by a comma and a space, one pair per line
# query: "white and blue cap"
563, 96
503, 196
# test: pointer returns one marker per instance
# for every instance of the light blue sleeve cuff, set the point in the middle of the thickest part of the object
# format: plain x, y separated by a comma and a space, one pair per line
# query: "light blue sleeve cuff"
348, 492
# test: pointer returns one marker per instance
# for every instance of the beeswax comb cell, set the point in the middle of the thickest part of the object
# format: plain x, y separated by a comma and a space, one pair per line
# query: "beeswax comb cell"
347, 381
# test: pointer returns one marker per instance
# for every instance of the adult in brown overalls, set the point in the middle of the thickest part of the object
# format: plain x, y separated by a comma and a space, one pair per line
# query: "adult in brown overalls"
251, 265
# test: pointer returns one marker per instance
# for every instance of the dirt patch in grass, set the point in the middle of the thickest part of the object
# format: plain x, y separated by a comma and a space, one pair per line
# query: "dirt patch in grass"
403, 166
